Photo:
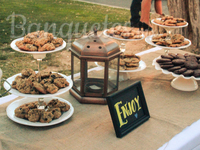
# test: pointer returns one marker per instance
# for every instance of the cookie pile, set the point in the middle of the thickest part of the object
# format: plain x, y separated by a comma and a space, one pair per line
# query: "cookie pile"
39, 41
175, 40
124, 32
128, 61
187, 65
170, 21
41, 83
54, 110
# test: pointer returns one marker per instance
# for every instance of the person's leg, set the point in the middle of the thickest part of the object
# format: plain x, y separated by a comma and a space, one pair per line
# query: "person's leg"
135, 9
145, 12
158, 6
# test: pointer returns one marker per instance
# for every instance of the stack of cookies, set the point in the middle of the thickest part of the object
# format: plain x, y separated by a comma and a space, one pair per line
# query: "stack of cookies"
175, 40
186, 65
43, 82
129, 61
124, 32
54, 110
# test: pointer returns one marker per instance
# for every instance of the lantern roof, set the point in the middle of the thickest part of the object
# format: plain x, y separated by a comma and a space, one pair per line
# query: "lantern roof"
94, 45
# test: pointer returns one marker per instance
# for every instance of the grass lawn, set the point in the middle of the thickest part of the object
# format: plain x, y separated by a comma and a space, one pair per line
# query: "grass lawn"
64, 18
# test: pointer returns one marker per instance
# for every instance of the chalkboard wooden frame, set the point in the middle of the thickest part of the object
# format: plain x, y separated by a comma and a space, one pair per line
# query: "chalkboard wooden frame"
129, 100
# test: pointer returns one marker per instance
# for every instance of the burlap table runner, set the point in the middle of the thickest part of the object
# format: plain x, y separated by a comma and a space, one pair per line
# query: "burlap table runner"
91, 126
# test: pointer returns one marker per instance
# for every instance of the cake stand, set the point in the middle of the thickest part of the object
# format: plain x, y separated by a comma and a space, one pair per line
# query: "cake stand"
180, 82
169, 30
121, 40
124, 74
36, 55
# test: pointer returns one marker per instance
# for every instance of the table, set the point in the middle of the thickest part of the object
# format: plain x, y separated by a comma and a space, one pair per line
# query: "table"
90, 127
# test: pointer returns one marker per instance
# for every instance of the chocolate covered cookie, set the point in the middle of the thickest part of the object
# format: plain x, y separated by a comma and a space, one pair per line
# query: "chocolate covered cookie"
191, 64
180, 71
188, 73
178, 61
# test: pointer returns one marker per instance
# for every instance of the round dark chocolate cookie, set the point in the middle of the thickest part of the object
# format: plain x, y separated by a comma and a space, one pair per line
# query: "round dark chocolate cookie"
191, 64
178, 61
166, 66
191, 58
167, 56
180, 56
161, 60
196, 73
188, 73
174, 68
166, 63
180, 71
172, 54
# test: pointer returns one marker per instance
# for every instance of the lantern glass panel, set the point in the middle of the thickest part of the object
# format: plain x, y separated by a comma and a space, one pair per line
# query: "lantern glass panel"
112, 75
76, 70
94, 79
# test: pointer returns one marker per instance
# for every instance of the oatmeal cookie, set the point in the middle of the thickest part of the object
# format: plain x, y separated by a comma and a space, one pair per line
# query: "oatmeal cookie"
61, 82
34, 115
22, 112
24, 86
39, 87
46, 117
51, 88
27, 72
56, 112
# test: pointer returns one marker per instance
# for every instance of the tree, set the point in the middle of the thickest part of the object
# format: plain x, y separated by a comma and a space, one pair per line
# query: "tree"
190, 11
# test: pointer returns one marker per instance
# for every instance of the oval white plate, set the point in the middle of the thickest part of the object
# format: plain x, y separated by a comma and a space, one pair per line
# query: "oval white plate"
16, 92
128, 40
10, 110
164, 26
14, 47
148, 39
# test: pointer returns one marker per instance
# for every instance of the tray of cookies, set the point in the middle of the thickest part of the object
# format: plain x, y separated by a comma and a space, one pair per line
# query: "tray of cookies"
24, 111
187, 65
38, 42
170, 22
30, 83
129, 62
177, 41
124, 33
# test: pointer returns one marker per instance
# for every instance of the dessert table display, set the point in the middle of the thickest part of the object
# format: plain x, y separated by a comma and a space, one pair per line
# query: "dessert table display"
90, 126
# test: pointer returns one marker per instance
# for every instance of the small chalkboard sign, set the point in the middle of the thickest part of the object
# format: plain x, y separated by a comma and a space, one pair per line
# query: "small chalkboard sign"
128, 109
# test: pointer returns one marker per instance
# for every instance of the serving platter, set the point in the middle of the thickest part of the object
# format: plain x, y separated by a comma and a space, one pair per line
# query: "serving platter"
121, 39
148, 39
10, 110
180, 82
14, 47
16, 92
164, 26
36, 54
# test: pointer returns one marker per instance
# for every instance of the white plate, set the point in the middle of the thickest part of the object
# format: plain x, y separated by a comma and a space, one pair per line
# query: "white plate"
127, 40
10, 110
14, 47
164, 26
16, 92
141, 67
148, 39
157, 67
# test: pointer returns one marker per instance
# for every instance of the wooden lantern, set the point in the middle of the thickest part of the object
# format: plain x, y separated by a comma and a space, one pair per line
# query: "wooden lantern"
99, 50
